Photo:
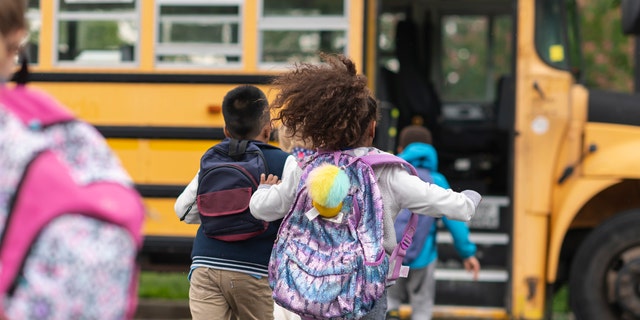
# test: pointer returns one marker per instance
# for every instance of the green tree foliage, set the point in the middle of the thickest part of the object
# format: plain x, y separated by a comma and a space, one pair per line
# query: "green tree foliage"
608, 53
99, 35
608, 61
470, 69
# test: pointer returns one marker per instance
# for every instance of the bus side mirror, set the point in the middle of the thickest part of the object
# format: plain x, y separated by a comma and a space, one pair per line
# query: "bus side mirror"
630, 12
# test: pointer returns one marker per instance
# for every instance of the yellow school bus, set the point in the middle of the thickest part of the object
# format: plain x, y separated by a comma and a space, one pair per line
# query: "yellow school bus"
151, 75
497, 82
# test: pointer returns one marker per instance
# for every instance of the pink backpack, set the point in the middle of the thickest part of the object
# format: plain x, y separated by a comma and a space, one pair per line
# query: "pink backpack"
70, 220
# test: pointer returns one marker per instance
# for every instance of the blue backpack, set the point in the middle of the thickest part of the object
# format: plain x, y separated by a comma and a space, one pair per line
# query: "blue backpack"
337, 268
422, 229
229, 174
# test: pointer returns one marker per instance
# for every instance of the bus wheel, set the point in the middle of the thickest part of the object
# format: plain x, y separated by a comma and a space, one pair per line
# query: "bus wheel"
605, 275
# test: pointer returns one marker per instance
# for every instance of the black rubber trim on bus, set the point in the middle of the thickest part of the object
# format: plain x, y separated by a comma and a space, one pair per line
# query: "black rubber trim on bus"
160, 243
473, 293
614, 107
149, 78
181, 133
166, 253
159, 190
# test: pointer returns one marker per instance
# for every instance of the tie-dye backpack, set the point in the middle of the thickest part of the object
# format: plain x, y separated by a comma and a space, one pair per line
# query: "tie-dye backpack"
328, 261
70, 221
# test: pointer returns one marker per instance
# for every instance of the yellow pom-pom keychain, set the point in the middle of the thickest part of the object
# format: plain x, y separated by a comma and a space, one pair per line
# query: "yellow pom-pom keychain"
328, 185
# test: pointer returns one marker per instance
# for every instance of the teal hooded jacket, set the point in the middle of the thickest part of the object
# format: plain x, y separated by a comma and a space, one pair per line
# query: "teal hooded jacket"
422, 155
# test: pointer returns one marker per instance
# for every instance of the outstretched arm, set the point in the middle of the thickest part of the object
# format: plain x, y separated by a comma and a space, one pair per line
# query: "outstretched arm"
185, 207
273, 199
422, 197
464, 246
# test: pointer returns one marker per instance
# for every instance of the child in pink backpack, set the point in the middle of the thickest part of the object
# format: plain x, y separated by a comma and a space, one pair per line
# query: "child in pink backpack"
330, 105
70, 220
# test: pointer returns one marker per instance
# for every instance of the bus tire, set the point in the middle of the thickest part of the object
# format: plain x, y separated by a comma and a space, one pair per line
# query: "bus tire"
605, 273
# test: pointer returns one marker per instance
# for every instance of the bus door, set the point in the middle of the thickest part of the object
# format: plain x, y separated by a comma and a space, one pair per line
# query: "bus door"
451, 68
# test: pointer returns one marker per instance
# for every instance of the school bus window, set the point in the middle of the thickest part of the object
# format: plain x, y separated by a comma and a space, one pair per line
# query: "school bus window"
100, 5
464, 59
293, 31
35, 24
477, 51
573, 39
303, 8
103, 33
199, 34
297, 45
501, 46
387, 23
548, 37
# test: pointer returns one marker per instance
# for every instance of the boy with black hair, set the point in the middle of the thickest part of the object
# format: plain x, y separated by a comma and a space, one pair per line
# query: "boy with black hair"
228, 279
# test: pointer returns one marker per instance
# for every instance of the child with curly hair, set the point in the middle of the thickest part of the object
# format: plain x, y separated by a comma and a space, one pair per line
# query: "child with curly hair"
330, 105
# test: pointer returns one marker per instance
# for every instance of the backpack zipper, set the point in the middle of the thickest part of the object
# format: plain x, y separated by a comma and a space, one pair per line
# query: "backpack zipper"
258, 152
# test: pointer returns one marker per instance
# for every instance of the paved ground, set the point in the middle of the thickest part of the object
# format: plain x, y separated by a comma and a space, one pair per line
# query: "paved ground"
162, 310
179, 310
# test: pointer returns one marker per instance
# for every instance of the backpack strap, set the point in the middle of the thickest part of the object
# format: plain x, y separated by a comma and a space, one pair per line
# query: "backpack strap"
425, 175
35, 108
29, 216
377, 159
396, 268
237, 147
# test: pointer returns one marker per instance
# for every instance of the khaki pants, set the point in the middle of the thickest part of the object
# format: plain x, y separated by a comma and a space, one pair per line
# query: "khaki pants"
229, 295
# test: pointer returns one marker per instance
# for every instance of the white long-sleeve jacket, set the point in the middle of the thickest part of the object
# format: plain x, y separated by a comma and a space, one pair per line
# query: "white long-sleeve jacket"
186, 201
399, 190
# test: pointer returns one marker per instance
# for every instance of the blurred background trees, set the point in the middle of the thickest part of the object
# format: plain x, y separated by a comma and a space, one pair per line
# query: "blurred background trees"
608, 54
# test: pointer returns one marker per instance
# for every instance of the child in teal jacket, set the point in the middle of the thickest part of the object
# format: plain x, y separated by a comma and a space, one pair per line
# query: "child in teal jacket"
419, 287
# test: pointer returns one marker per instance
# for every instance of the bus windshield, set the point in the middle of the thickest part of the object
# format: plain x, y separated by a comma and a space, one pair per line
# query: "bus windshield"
557, 34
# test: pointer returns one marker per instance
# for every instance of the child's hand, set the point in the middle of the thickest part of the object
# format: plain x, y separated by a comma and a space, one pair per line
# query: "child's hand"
472, 265
474, 196
270, 180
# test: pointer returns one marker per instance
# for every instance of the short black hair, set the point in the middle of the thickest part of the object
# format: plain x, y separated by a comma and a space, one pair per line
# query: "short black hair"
246, 111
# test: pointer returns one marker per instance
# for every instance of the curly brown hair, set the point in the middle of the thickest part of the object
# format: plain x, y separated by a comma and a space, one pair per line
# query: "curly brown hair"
328, 104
